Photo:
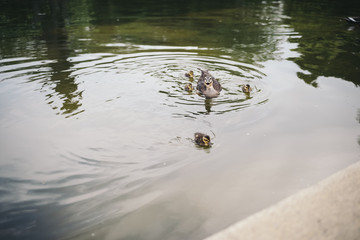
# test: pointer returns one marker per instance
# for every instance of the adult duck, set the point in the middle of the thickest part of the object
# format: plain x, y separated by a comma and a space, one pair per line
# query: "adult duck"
207, 85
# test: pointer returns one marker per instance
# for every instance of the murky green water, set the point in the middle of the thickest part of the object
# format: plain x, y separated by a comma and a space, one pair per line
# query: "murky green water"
96, 128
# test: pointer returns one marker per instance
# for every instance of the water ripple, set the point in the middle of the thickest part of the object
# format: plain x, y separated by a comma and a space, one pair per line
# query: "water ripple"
153, 72
143, 75
137, 88
168, 69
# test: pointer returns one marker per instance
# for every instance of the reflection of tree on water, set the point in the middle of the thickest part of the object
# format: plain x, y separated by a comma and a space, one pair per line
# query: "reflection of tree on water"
326, 46
61, 76
57, 43
248, 30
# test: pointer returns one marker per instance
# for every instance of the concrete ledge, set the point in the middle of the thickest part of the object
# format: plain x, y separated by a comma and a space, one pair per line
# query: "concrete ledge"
328, 210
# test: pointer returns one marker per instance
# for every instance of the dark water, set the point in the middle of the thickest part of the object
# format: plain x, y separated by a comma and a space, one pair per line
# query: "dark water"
96, 129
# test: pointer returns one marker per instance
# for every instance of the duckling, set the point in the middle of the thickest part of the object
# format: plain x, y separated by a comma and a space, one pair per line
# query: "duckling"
189, 87
207, 85
189, 74
246, 88
202, 139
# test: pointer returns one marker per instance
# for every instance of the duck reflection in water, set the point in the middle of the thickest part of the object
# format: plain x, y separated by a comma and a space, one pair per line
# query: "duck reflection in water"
208, 104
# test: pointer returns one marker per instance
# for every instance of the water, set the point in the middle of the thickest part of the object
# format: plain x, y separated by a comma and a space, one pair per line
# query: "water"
96, 128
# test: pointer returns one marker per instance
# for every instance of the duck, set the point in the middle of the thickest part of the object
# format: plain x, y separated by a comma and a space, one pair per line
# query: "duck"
207, 85
189, 74
189, 87
246, 88
202, 139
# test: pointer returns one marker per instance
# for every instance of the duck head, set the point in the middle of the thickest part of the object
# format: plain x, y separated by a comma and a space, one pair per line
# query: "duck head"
208, 79
206, 140
190, 74
246, 88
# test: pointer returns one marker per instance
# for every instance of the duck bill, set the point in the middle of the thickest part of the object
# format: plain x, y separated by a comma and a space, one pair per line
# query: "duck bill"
208, 82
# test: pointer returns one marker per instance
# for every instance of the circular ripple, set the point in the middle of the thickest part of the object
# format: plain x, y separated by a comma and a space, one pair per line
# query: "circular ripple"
164, 73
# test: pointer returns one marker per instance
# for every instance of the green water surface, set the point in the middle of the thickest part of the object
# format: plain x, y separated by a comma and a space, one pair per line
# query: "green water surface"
96, 129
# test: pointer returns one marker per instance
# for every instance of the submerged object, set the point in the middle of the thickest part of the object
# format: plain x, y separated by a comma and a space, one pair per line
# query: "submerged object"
207, 85
202, 139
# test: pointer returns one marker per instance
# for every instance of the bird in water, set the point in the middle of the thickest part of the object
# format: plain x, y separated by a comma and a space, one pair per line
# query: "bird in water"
189, 74
189, 87
246, 88
207, 85
202, 139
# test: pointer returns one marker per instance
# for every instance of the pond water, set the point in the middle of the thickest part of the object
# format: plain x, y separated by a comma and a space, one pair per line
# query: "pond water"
96, 129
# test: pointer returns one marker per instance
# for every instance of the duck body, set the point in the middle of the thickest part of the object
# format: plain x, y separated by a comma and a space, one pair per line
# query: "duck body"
207, 85
246, 88
202, 139
189, 74
189, 87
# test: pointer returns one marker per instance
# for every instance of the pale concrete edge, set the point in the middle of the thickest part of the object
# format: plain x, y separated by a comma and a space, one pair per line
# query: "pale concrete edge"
250, 227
